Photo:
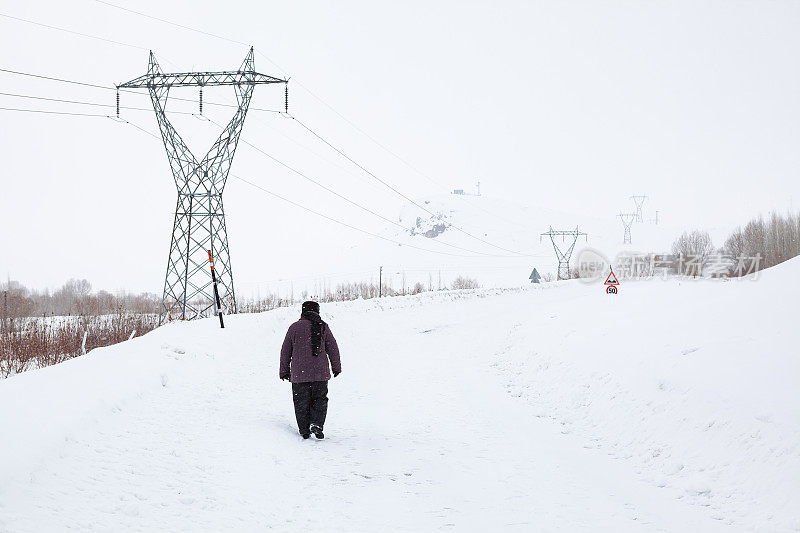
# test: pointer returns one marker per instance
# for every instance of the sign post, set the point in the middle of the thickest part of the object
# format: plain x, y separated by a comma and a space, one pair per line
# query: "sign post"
217, 304
611, 282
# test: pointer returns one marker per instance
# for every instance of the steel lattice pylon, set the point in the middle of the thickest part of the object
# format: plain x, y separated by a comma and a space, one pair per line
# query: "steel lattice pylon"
199, 215
627, 221
639, 201
563, 257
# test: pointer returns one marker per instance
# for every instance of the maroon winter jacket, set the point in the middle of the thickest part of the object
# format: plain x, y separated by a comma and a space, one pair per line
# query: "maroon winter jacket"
296, 354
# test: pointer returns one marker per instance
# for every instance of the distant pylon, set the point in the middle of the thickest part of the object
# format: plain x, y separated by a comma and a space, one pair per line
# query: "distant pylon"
199, 227
627, 220
563, 257
639, 200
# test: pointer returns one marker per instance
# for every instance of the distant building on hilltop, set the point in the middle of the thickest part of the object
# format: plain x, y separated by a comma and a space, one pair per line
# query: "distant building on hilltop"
462, 192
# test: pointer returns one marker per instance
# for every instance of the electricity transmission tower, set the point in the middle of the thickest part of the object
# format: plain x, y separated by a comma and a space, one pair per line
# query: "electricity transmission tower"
563, 257
639, 200
199, 215
627, 221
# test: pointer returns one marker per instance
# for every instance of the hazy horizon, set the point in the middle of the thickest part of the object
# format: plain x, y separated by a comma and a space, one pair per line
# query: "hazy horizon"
574, 107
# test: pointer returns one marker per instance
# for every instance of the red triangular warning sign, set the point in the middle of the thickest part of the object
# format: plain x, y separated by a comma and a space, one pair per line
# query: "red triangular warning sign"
611, 279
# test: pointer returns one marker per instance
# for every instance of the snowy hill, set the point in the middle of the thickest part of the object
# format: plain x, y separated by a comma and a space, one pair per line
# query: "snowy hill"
671, 406
493, 230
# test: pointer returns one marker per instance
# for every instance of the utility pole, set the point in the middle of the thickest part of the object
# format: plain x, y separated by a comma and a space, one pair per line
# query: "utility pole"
199, 215
563, 257
627, 220
655, 220
639, 201
380, 282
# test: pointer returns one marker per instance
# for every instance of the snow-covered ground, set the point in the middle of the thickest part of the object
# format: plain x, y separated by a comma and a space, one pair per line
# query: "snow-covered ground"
672, 406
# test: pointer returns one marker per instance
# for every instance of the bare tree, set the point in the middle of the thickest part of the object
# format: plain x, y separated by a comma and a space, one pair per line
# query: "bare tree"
772, 241
735, 244
694, 248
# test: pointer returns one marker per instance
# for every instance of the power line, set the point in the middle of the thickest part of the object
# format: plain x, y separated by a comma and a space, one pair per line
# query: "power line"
316, 154
78, 102
308, 209
165, 21
57, 79
348, 200
317, 97
63, 80
109, 88
292, 169
314, 95
70, 31
207, 33
53, 112
388, 185
80, 34
244, 140
234, 41
226, 105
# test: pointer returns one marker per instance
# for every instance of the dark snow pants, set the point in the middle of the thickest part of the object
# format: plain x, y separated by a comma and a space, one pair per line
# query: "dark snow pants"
310, 404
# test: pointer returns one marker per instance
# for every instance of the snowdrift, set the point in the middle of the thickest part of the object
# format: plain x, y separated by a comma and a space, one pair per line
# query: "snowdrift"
670, 406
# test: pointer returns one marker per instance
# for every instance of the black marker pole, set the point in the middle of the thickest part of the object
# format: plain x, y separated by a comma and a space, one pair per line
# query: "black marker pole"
217, 304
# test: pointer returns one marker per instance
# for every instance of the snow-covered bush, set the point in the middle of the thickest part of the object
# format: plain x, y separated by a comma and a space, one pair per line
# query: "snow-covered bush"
463, 282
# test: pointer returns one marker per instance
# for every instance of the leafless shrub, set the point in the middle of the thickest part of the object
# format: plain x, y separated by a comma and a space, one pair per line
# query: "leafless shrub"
44, 342
33, 336
463, 282
348, 291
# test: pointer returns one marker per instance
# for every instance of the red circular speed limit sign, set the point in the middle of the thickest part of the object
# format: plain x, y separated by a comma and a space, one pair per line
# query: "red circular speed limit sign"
611, 289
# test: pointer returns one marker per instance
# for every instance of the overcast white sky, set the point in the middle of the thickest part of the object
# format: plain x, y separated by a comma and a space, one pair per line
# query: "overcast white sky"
572, 105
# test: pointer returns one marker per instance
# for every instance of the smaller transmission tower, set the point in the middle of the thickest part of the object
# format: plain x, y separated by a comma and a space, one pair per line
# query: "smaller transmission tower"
627, 221
639, 200
563, 257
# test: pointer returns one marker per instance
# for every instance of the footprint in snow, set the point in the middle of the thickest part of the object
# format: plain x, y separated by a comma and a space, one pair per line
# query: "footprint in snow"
687, 351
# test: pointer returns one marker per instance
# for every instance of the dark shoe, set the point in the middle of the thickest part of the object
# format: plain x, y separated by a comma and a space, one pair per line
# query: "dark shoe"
317, 431
306, 435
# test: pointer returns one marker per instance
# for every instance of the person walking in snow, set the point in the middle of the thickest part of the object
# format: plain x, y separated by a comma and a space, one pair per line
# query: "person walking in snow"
308, 346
